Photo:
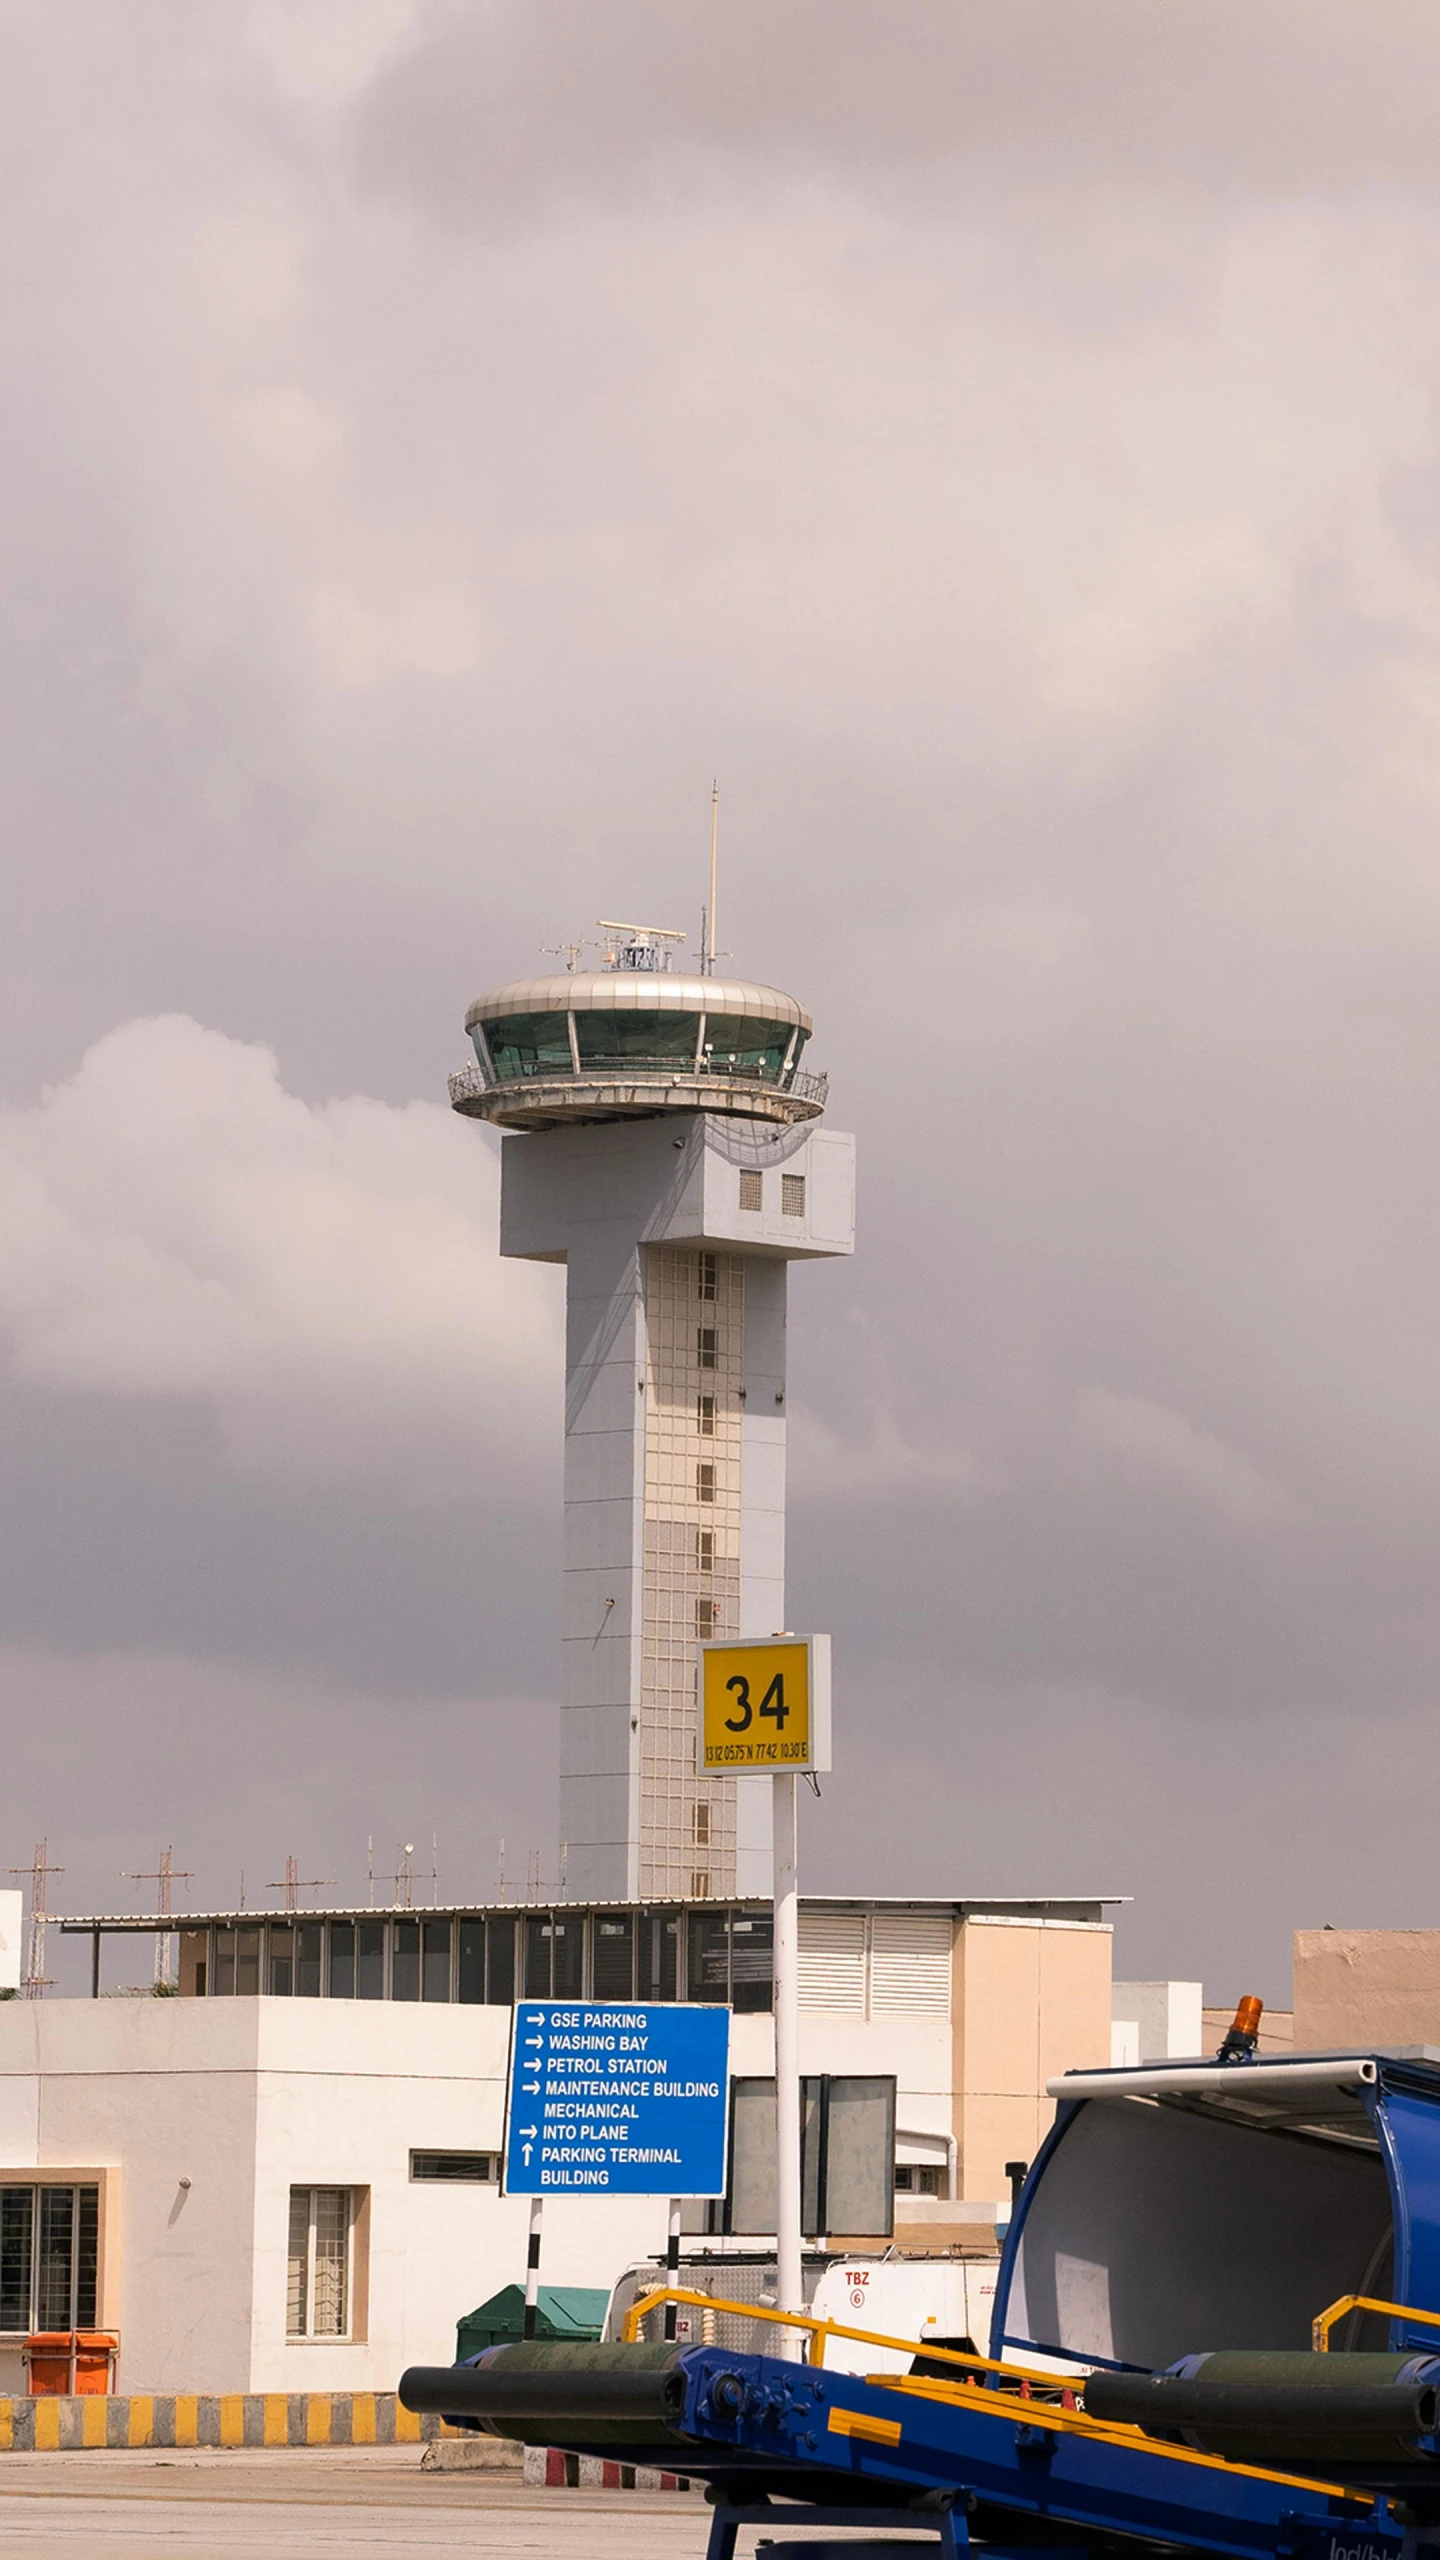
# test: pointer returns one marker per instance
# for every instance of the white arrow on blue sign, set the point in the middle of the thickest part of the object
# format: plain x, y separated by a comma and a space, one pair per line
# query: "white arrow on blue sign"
611, 2098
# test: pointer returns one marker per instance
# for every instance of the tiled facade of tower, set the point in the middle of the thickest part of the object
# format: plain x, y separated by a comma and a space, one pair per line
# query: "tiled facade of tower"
695, 1327
666, 1148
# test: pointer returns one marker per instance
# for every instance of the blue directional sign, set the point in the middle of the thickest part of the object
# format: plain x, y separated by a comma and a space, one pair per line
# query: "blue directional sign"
607, 2098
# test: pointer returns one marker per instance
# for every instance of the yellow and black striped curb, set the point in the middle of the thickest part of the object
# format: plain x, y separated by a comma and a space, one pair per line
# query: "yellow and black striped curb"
62, 2424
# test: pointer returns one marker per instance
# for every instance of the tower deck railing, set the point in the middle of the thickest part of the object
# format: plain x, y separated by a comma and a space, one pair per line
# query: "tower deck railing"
468, 1083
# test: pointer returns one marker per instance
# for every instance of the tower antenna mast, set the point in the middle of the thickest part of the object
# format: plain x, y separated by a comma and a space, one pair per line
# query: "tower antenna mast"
707, 963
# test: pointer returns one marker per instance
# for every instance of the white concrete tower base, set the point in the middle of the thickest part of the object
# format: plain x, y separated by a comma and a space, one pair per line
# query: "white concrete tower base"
676, 1232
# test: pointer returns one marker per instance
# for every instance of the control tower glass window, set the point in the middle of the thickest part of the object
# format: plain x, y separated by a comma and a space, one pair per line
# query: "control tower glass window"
614, 1039
739, 1045
529, 1044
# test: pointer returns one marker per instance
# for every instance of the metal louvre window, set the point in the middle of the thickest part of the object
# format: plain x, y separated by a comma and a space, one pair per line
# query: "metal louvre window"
455, 2168
658, 1964
910, 1964
49, 2257
752, 1190
792, 1195
317, 2293
613, 1958
554, 1956
832, 1961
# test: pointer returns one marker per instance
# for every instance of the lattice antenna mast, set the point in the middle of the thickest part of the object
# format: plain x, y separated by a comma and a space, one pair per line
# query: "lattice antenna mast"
164, 1877
404, 1880
39, 1872
295, 1884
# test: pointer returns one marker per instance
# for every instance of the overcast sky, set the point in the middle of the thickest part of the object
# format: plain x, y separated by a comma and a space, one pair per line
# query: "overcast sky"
999, 439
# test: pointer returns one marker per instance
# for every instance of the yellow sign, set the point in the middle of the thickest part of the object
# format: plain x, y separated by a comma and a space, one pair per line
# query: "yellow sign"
765, 1705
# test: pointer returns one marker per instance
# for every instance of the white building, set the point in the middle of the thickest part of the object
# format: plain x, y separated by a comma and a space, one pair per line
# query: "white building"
296, 2188
666, 1148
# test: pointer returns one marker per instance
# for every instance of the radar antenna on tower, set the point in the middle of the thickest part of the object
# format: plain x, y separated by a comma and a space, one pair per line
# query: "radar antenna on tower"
638, 947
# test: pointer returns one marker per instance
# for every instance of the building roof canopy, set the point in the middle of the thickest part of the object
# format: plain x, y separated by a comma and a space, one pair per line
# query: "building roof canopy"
625, 991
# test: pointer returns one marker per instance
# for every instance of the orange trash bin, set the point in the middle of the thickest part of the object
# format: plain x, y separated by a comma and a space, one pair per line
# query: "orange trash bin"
66, 2360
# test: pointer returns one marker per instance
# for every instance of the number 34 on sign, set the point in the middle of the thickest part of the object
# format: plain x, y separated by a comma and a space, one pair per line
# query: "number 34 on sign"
765, 1704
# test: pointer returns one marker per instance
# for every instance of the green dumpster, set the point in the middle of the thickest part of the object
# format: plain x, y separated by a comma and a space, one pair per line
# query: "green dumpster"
572, 2311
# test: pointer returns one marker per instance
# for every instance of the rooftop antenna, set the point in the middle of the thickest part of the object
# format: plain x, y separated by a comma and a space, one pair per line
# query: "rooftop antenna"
38, 1872
707, 923
163, 1877
569, 952
295, 1884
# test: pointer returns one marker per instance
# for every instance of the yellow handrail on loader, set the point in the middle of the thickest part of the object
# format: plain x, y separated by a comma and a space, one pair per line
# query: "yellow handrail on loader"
1320, 2329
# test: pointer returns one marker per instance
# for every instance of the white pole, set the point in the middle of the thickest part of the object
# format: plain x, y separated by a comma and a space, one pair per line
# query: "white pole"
789, 2266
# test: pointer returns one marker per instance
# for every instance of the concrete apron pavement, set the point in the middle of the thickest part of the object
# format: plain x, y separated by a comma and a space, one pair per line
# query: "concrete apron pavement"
322, 2504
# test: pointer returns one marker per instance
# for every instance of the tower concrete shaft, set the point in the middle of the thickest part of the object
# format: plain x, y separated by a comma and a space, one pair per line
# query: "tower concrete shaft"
676, 1230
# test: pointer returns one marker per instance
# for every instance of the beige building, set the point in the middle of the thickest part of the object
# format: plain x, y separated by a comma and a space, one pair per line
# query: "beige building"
1366, 1986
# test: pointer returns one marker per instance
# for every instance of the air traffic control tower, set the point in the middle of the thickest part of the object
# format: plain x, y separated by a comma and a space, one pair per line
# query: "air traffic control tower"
665, 1144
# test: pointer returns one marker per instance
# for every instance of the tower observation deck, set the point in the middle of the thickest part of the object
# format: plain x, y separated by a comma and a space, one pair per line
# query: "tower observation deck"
665, 1144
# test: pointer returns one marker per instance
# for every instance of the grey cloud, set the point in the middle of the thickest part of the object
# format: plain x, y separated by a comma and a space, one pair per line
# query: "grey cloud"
512, 112
1043, 547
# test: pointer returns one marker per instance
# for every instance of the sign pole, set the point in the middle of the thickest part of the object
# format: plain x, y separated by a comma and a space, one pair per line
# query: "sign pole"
532, 2269
790, 2294
672, 2262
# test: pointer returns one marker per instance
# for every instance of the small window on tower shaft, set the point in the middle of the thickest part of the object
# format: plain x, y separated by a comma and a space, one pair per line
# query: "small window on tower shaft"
705, 1417
752, 1190
705, 1481
707, 1275
702, 1826
700, 1887
705, 1346
704, 1617
705, 1550
792, 1195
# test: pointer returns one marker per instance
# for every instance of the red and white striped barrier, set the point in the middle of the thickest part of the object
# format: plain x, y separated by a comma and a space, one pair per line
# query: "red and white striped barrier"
546, 2468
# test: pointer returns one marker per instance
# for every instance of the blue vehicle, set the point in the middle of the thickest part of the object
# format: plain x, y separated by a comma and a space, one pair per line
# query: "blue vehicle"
1217, 2329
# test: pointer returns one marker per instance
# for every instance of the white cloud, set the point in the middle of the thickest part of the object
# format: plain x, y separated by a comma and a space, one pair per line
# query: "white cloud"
1151, 1445
325, 1277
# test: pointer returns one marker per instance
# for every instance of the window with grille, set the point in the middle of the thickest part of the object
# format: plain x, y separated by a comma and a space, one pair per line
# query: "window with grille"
705, 1422
705, 1346
705, 1481
708, 1267
455, 2168
792, 1195
704, 1550
752, 1190
49, 2257
318, 2282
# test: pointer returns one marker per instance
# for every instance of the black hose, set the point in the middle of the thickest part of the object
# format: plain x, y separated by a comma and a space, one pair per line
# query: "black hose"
1282, 2407
543, 2393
